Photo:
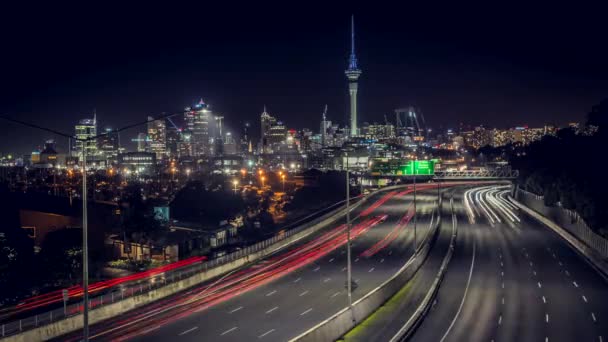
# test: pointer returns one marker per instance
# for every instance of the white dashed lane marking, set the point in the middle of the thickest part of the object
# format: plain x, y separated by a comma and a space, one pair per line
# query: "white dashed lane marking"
228, 331
271, 310
305, 312
237, 309
188, 331
266, 333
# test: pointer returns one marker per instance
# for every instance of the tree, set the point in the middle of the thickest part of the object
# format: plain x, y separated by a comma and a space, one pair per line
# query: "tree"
61, 256
16, 250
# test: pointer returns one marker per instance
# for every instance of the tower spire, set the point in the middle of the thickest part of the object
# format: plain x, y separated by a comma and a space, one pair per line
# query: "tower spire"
352, 74
352, 35
352, 63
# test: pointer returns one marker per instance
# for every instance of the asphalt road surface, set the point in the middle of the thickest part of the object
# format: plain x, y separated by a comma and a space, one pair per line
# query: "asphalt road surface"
512, 279
281, 297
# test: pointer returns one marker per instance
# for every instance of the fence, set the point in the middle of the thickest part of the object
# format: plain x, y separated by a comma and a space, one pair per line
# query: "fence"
568, 219
161, 280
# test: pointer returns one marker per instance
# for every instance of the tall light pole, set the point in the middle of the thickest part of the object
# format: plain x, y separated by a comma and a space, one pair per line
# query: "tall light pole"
348, 263
85, 247
414, 167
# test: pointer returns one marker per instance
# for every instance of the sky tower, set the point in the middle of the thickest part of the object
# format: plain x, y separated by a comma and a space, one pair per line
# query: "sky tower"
352, 73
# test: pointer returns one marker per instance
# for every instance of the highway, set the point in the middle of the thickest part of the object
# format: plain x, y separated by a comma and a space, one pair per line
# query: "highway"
512, 279
280, 297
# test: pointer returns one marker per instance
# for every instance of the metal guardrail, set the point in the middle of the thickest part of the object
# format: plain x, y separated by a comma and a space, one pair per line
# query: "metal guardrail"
569, 220
158, 281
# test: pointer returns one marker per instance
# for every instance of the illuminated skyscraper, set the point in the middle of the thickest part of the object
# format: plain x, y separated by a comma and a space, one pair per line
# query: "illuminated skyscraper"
197, 122
157, 134
267, 121
86, 129
108, 146
352, 73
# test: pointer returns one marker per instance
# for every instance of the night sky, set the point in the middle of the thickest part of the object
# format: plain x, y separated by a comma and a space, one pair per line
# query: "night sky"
499, 65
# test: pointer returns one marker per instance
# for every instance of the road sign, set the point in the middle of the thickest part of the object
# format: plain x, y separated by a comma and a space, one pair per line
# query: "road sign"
419, 168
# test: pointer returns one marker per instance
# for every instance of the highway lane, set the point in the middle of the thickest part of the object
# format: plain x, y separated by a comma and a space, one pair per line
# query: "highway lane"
290, 304
512, 279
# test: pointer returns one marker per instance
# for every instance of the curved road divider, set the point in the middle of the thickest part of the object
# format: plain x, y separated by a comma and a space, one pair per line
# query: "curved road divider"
414, 321
101, 313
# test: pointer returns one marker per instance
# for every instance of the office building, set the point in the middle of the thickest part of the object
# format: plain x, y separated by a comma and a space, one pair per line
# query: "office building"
157, 135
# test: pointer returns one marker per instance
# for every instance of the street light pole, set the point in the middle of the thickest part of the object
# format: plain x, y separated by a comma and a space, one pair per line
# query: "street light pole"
348, 263
85, 248
415, 211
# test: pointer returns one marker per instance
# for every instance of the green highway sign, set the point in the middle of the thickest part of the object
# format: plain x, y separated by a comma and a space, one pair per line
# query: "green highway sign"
419, 167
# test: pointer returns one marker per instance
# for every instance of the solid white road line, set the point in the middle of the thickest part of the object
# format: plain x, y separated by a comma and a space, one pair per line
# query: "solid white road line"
464, 297
188, 331
266, 333
271, 293
235, 310
303, 293
271, 310
228, 331
305, 312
